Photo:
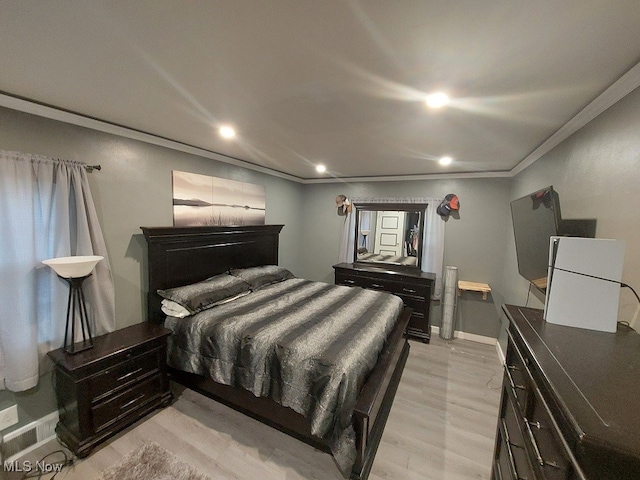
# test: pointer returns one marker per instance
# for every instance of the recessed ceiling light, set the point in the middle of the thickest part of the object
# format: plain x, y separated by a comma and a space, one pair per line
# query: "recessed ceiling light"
437, 100
321, 168
445, 160
227, 132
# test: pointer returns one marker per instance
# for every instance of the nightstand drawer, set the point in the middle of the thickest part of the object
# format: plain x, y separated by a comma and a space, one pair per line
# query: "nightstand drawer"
122, 404
123, 374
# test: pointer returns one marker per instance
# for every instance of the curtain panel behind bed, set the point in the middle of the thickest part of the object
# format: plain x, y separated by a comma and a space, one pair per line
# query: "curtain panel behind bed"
307, 345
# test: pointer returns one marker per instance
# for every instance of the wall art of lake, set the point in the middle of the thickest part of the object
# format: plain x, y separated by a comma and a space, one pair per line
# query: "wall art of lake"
216, 215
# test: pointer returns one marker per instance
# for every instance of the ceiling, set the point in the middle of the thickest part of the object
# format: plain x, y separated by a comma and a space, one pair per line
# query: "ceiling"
336, 82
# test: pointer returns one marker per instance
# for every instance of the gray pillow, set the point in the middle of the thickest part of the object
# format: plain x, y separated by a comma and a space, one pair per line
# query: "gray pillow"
258, 277
206, 294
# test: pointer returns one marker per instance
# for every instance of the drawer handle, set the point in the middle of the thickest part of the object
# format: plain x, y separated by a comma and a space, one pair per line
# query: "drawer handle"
532, 439
408, 290
512, 461
351, 282
131, 402
511, 382
127, 375
377, 285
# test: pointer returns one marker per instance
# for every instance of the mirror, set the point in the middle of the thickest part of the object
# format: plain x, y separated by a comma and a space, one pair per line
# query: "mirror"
389, 234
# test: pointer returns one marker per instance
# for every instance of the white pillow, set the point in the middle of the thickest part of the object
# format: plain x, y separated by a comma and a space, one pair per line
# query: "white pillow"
174, 309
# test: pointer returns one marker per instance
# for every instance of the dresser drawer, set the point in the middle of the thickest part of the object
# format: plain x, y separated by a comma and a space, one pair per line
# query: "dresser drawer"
546, 440
512, 459
120, 405
362, 281
417, 321
418, 304
347, 280
404, 290
414, 296
517, 376
122, 374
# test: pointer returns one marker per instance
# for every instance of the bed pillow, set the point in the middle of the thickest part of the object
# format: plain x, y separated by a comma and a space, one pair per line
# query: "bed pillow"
258, 277
173, 309
206, 294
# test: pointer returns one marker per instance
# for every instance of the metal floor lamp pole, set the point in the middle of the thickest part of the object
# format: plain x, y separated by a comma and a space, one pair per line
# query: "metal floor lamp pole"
77, 304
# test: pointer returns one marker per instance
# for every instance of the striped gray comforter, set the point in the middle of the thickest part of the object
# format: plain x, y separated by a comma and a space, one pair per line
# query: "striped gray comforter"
307, 345
392, 259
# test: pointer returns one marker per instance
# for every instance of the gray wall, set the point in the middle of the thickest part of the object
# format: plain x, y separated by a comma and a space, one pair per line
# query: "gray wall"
133, 189
474, 242
596, 172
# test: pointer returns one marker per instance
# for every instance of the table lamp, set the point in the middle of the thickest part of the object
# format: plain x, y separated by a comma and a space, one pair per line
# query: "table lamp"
75, 270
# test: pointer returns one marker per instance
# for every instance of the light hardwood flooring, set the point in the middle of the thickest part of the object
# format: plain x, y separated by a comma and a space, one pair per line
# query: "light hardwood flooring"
442, 427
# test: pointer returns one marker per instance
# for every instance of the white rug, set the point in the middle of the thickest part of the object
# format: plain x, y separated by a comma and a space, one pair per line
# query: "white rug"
151, 462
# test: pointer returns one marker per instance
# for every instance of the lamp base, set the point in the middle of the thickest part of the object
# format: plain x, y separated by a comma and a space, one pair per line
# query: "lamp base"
78, 347
77, 309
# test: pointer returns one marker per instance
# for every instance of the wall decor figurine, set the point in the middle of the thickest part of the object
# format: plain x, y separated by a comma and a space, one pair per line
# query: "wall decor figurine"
343, 204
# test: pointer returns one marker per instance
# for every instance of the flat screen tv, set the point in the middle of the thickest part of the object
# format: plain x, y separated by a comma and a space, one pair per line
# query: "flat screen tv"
536, 217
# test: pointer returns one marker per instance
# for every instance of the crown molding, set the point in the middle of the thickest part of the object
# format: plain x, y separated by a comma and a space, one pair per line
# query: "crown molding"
34, 108
408, 178
622, 87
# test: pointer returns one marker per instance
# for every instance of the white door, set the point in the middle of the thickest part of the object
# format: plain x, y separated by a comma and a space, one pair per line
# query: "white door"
390, 233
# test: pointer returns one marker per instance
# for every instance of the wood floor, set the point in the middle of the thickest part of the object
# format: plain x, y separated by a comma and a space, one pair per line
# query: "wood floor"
441, 427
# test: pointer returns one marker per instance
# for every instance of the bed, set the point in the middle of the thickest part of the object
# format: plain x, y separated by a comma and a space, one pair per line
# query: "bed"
390, 259
186, 255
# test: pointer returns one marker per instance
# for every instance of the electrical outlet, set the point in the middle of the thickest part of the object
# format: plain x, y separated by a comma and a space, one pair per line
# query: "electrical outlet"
8, 417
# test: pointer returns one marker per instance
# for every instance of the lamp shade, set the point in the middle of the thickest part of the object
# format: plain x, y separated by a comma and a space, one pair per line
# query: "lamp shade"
73, 267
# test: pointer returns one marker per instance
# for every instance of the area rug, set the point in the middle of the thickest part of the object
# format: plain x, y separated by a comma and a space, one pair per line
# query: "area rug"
151, 462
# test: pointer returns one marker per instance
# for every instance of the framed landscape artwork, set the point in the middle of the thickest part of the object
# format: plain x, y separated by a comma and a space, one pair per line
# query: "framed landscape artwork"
201, 200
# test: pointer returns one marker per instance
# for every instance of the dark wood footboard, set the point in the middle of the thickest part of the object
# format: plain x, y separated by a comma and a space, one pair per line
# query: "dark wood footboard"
376, 397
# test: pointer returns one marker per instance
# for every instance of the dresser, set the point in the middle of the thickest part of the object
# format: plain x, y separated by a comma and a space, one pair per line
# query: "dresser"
569, 402
102, 390
414, 287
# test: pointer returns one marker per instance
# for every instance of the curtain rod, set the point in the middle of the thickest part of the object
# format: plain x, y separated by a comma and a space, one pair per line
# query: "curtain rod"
88, 168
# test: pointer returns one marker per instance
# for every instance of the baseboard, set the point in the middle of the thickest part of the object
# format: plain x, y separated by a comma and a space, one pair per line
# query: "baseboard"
501, 354
29, 437
435, 330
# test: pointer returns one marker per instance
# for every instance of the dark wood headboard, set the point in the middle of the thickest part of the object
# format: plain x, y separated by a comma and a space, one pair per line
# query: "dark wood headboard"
182, 255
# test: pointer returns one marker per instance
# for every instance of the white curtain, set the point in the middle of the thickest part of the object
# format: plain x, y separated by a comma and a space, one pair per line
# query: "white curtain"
46, 211
432, 237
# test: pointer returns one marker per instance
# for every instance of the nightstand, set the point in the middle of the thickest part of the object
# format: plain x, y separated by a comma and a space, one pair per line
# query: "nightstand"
103, 390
